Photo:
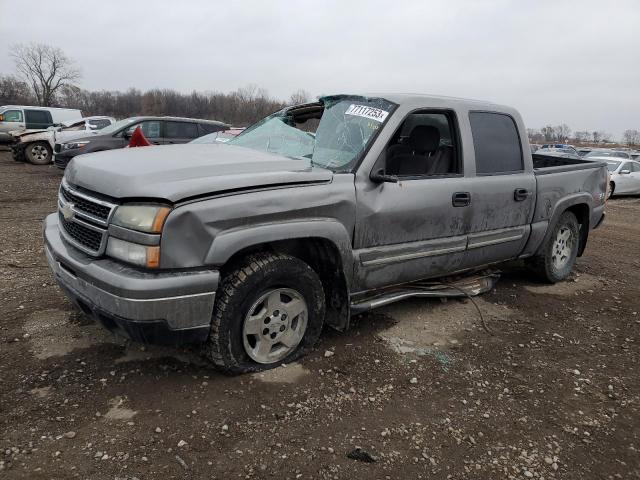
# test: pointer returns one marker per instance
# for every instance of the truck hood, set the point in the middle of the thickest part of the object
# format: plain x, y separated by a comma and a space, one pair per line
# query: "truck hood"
178, 172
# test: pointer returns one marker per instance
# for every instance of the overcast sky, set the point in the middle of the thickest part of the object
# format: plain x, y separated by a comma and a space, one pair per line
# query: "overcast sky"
576, 62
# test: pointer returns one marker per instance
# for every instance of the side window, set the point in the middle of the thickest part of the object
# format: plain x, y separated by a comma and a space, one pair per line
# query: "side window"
181, 130
150, 128
636, 167
424, 145
496, 143
12, 116
206, 128
627, 166
99, 124
37, 118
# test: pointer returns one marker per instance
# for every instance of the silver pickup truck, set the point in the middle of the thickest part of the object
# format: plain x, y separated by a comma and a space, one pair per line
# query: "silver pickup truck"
250, 247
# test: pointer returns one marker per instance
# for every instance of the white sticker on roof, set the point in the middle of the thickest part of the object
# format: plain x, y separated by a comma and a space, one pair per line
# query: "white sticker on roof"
367, 112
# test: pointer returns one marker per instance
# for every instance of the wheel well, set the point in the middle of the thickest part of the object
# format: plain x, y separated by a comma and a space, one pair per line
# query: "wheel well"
581, 211
324, 257
612, 184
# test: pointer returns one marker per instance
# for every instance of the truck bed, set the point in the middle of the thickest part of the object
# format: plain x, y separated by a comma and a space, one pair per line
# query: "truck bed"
546, 164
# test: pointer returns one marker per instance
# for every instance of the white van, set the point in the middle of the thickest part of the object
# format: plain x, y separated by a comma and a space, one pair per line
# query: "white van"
24, 117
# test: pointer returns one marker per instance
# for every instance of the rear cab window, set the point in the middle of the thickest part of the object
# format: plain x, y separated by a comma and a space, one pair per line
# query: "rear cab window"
496, 143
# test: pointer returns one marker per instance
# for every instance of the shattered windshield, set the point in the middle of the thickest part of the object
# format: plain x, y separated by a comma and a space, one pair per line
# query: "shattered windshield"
332, 133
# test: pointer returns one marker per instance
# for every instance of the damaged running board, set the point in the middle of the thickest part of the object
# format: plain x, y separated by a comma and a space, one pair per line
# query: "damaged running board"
467, 286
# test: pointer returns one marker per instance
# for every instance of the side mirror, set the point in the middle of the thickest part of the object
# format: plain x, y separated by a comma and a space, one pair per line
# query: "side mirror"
625, 172
380, 177
126, 135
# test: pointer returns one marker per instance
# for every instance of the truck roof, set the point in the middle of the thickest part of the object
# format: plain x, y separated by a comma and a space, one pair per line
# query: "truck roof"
419, 100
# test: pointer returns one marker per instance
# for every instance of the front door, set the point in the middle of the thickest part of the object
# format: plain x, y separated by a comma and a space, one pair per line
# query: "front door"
415, 228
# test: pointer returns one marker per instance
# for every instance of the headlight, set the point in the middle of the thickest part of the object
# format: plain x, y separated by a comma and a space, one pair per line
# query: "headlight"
141, 255
143, 218
74, 145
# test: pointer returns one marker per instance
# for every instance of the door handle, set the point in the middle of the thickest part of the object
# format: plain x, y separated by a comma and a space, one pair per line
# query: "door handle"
461, 199
521, 194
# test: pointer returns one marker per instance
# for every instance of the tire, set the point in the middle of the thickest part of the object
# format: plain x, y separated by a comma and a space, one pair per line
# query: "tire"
245, 333
612, 187
558, 255
38, 153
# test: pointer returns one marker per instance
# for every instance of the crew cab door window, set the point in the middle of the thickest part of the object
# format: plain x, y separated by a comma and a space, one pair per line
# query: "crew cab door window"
496, 143
424, 146
37, 119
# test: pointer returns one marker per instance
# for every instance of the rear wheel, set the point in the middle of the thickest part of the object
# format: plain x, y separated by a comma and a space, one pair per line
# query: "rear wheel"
268, 311
38, 153
558, 255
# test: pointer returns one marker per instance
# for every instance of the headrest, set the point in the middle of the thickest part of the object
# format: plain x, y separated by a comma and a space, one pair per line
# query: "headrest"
424, 138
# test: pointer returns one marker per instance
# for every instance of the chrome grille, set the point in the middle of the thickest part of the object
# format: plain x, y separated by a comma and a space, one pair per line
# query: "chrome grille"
89, 238
84, 219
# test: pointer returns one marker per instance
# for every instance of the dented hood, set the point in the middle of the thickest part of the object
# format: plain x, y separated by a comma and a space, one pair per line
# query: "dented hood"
177, 172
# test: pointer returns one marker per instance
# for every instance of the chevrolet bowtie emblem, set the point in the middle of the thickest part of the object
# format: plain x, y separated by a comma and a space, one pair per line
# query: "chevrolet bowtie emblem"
67, 211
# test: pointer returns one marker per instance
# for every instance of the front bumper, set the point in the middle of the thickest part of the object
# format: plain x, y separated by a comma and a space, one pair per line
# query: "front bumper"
61, 160
159, 308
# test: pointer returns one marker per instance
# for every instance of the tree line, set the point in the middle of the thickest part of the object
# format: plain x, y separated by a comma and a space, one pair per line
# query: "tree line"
47, 77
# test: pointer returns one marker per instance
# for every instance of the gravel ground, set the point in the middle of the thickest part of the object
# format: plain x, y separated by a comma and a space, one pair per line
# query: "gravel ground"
420, 387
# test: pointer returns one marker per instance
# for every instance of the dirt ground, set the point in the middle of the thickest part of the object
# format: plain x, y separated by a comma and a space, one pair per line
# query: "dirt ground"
420, 386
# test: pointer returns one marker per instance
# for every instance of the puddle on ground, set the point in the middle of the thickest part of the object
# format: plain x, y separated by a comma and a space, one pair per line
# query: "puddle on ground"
285, 374
579, 283
429, 327
52, 334
117, 411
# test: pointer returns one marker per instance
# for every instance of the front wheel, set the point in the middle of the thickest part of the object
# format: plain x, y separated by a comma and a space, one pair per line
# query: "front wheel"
558, 255
268, 311
38, 153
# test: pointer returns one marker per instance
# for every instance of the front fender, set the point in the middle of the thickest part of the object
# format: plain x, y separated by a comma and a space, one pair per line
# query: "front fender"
230, 242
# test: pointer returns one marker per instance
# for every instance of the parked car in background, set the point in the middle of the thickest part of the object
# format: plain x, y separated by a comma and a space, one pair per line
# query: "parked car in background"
624, 177
563, 146
559, 146
219, 137
158, 130
534, 147
635, 154
36, 146
22, 117
252, 246
582, 151
606, 154
559, 152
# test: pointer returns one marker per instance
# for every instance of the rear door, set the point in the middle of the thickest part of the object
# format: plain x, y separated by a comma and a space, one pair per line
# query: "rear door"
502, 192
180, 132
37, 119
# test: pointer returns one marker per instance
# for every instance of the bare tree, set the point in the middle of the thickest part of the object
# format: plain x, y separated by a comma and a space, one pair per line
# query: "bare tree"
300, 96
14, 91
45, 68
631, 137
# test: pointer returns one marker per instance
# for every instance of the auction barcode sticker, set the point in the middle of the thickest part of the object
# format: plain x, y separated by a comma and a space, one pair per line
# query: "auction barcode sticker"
367, 112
